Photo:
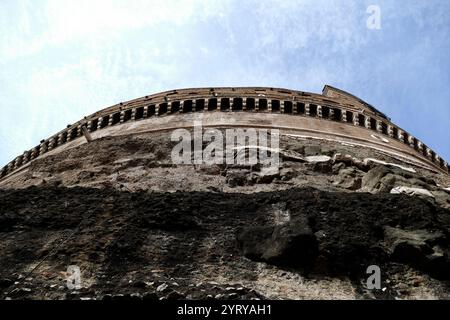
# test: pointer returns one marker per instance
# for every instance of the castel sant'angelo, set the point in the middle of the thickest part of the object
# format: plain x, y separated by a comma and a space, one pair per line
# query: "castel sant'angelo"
352, 190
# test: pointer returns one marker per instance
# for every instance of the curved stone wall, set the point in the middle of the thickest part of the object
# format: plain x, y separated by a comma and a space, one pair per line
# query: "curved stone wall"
332, 105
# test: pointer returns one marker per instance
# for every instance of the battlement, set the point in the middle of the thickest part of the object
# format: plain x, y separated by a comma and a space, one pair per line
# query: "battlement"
333, 106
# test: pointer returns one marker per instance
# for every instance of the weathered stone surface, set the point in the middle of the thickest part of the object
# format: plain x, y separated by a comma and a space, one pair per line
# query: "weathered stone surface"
317, 159
236, 178
442, 198
412, 191
145, 222
292, 243
349, 178
382, 179
372, 162
420, 248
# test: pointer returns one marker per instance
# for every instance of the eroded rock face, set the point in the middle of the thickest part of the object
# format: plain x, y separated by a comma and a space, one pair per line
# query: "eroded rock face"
152, 237
290, 244
349, 178
423, 249
383, 178
307, 230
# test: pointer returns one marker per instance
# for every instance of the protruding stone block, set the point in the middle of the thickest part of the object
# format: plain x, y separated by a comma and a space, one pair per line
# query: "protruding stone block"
244, 104
52, 143
18, 162
43, 147
182, 106
35, 153
390, 130
367, 122
26, 157
355, 119
379, 126
294, 107
99, 123
10, 167
319, 111
70, 134
419, 146
331, 113
411, 141
59, 141
86, 134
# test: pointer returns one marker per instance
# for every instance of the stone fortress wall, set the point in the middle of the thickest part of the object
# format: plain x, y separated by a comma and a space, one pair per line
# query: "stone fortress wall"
334, 114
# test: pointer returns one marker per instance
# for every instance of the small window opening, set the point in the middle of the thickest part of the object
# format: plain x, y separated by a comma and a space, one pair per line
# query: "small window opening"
212, 104
288, 107
361, 120
349, 116
312, 110
200, 105
275, 105
373, 124
139, 113
384, 128
187, 106
337, 114
151, 111
262, 104
127, 115
237, 104
250, 104
175, 107
115, 118
94, 125
224, 104
325, 112
162, 109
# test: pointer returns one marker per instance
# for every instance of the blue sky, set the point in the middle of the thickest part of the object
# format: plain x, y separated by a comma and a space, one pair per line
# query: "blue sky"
62, 60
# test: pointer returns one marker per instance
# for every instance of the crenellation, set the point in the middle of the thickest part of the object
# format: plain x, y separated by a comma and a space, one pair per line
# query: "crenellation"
52, 143
43, 147
18, 162
284, 102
